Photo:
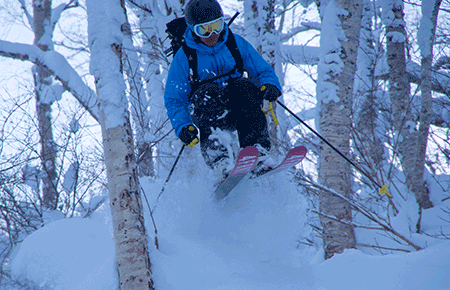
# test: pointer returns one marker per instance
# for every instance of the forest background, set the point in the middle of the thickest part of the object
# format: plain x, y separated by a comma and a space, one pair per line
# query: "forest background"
83, 120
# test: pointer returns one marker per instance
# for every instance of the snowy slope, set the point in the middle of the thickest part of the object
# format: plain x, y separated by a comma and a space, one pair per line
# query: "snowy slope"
249, 241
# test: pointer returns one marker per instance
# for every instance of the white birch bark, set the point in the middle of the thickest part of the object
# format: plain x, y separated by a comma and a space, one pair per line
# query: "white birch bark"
337, 67
105, 19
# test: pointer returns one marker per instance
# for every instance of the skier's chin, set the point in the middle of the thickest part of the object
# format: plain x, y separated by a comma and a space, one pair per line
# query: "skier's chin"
210, 41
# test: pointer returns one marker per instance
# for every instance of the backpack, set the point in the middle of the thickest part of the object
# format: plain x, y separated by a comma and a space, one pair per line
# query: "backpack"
175, 31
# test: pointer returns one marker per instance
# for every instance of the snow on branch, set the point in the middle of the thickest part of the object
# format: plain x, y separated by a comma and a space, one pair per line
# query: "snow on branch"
59, 66
304, 26
56, 12
440, 79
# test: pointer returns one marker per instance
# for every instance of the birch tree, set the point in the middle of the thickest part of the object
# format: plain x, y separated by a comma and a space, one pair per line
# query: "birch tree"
339, 42
399, 91
399, 87
46, 93
426, 36
45, 96
106, 40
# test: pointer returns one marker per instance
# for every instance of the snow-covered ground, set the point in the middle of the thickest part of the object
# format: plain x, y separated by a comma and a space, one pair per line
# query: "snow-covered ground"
250, 241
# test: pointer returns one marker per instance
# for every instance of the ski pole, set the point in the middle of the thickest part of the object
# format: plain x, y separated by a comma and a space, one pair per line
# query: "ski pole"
233, 18
157, 199
170, 174
383, 189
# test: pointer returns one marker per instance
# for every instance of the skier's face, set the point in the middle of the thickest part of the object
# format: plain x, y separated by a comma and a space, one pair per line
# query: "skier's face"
211, 40
206, 29
209, 32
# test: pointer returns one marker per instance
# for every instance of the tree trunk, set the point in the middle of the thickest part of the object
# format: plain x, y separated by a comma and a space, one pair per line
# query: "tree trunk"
426, 33
126, 206
43, 80
399, 91
335, 88
130, 236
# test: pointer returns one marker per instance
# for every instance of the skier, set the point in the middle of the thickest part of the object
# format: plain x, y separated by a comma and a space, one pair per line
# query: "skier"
229, 103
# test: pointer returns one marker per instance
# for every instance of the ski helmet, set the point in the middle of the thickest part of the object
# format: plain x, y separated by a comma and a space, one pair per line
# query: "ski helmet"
202, 11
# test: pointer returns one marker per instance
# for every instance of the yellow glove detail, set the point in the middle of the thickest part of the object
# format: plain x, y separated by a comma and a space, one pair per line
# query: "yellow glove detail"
268, 108
195, 141
188, 135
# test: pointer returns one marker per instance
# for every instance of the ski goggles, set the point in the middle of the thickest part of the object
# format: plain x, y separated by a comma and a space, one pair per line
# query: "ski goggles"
206, 29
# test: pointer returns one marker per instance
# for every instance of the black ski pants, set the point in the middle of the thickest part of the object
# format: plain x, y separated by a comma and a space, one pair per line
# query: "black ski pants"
236, 107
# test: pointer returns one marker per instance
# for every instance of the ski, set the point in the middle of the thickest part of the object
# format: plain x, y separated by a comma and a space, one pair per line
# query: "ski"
293, 157
246, 161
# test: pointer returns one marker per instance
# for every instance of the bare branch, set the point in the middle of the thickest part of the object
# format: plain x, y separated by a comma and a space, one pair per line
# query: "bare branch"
141, 6
382, 248
368, 214
27, 14
348, 222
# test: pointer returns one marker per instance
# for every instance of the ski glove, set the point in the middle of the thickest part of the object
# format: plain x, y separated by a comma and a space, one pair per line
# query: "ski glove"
271, 92
188, 135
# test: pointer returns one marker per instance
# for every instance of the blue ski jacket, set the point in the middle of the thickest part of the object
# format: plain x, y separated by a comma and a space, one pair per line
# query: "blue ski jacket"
212, 62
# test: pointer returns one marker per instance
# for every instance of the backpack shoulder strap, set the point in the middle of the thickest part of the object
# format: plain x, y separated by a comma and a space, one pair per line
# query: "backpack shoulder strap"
232, 47
191, 55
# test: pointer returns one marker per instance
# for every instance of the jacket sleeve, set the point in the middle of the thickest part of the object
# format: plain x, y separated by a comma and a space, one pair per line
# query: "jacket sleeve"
177, 91
259, 71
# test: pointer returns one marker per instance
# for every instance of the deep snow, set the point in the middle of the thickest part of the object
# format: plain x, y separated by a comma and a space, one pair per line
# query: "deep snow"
249, 241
